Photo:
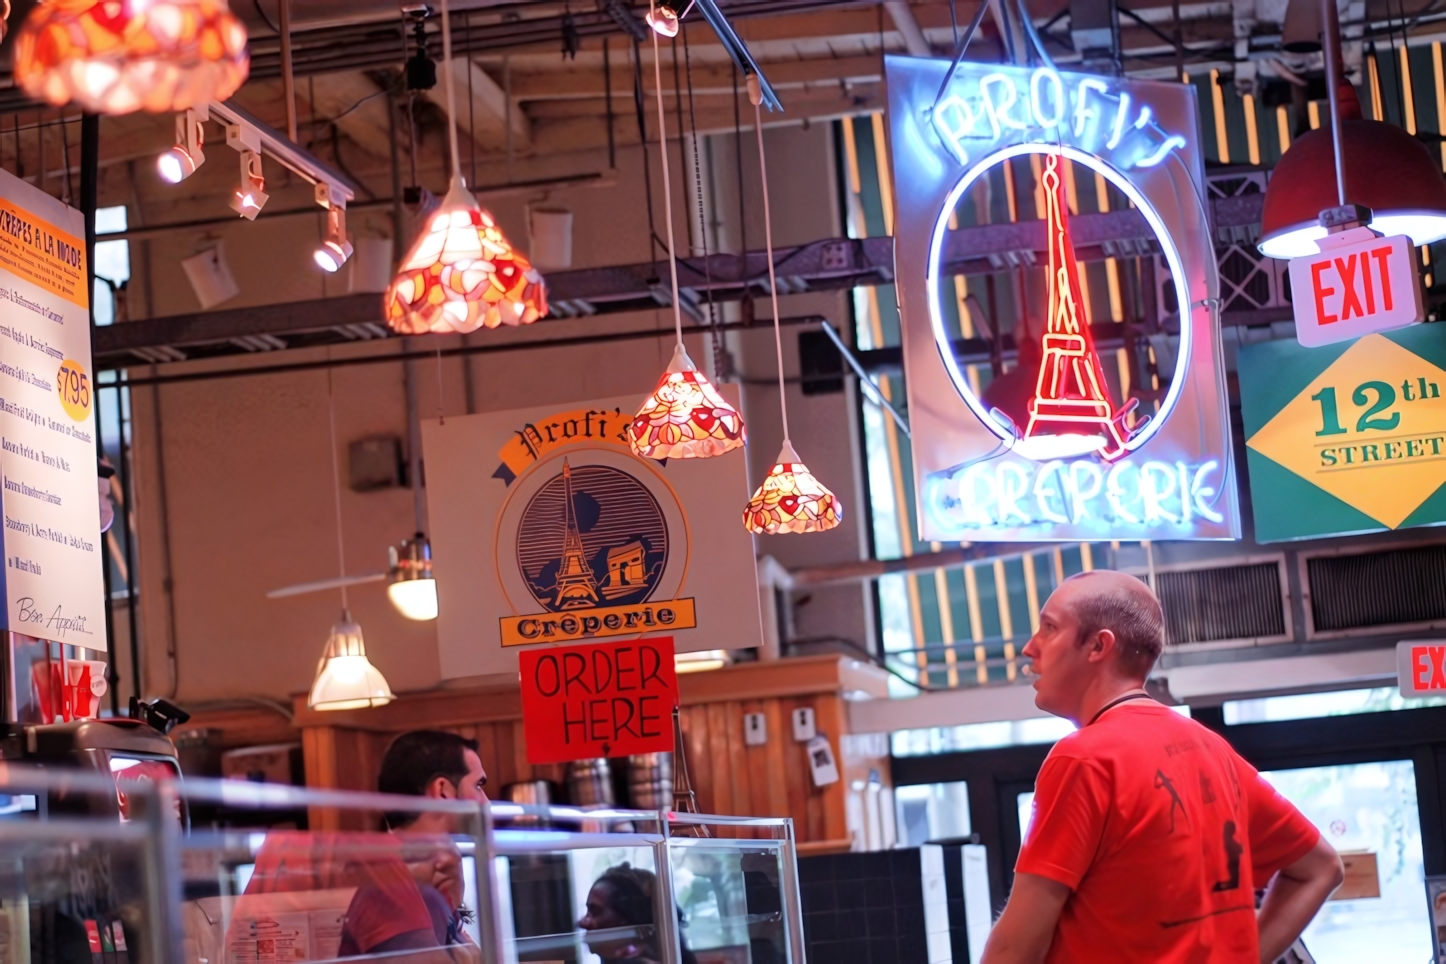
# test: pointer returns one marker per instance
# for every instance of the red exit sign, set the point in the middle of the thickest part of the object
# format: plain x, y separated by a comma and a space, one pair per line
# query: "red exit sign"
1358, 283
1421, 667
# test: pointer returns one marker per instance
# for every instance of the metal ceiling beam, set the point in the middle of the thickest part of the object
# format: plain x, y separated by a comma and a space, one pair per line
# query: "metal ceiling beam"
830, 264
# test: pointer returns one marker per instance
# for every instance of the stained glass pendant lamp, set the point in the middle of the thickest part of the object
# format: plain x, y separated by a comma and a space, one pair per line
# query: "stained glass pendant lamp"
462, 273
685, 417
790, 498
119, 56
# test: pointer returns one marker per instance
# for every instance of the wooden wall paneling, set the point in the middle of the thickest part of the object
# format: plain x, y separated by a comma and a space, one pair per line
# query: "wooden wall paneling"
719, 760
828, 710
700, 770
520, 766
775, 756
739, 764
801, 806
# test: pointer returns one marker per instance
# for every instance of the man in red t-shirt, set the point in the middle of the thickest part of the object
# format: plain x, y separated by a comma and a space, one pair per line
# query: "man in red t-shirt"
1150, 835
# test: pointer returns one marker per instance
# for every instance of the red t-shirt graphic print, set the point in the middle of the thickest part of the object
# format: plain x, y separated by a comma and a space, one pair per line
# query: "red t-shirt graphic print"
1163, 833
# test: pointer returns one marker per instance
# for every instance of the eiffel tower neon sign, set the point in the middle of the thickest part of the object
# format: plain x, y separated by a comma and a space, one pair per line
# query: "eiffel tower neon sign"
1071, 412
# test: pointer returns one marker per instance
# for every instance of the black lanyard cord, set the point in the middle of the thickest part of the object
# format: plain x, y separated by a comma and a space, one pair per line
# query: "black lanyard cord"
1116, 702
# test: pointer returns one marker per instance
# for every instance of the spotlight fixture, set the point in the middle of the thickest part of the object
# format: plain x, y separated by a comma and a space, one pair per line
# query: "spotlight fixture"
411, 587
251, 196
181, 161
345, 678
334, 249
664, 19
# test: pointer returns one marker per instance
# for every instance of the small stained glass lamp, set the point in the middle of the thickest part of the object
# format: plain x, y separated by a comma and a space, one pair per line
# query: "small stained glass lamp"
119, 56
462, 273
345, 678
685, 417
790, 498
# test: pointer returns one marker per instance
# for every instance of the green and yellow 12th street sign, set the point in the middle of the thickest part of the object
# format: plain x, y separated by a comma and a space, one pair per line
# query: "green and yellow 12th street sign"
1346, 438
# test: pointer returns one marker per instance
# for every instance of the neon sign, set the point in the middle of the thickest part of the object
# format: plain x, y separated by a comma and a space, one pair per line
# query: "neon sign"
1071, 460
1165, 497
1042, 106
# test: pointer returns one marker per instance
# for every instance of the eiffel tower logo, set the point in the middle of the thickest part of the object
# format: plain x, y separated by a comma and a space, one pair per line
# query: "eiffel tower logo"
1071, 412
576, 587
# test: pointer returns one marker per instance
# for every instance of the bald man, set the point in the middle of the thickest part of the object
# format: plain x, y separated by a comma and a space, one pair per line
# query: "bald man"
1150, 836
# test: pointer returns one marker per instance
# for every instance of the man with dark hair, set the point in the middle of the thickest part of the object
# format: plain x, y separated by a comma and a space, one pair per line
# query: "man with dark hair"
414, 900
1150, 835
431, 763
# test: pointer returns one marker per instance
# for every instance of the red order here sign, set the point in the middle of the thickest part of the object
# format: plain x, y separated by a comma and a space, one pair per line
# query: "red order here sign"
598, 700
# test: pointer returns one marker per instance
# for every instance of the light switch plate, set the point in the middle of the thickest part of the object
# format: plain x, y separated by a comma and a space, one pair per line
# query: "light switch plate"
755, 729
804, 728
821, 763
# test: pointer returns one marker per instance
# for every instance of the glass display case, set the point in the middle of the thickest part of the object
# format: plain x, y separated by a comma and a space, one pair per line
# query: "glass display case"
84, 869
136, 869
585, 886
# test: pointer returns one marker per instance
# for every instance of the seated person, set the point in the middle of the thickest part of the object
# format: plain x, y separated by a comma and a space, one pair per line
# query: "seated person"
438, 765
623, 898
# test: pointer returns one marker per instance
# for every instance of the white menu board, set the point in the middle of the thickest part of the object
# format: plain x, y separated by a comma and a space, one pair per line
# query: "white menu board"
52, 577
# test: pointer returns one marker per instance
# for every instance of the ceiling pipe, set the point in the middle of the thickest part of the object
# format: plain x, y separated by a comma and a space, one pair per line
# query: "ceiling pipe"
908, 28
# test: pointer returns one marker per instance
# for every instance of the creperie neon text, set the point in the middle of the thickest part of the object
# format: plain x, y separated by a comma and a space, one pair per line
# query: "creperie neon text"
1362, 277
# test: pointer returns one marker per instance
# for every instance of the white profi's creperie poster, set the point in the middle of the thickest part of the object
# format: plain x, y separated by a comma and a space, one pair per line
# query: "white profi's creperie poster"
52, 575
547, 530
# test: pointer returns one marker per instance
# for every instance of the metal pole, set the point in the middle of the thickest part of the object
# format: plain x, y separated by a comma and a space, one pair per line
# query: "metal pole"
288, 79
89, 188
1331, 28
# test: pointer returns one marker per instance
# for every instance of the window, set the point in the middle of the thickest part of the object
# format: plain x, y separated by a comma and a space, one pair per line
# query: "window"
980, 736
933, 811
1371, 808
1307, 706
112, 262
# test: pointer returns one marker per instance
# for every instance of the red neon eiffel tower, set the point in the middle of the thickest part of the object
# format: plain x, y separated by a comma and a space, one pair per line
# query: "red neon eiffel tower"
1071, 397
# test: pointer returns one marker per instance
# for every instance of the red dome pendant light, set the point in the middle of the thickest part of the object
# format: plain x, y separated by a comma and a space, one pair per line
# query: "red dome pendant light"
1395, 186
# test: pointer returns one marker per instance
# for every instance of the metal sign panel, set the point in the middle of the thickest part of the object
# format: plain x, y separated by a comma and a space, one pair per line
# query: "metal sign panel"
1083, 465
1359, 283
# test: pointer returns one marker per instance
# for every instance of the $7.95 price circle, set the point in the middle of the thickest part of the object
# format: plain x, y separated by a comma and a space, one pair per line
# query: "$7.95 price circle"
73, 385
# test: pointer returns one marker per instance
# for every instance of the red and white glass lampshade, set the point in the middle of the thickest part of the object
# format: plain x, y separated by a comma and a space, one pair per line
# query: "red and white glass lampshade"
1387, 170
463, 274
791, 500
685, 417
119, 56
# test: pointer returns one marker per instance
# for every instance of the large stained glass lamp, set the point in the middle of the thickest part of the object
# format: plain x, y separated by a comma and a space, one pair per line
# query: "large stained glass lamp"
462, 273
790, 498
119, 56
684, 417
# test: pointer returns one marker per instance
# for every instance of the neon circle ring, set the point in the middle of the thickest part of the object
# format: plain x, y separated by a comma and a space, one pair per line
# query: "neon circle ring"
1006, 436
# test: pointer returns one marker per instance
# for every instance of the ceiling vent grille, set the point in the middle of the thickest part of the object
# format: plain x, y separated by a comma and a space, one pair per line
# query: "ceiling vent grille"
1236, 603
1371, 589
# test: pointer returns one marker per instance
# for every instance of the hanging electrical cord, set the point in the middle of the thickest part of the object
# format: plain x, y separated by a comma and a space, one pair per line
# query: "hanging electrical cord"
742, 210
962, 46
643, 138
1034, 37
714, 341
768, 246
667, 189
336, 489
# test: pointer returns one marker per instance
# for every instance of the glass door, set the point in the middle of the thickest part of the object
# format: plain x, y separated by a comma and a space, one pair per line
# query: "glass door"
1366, 810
